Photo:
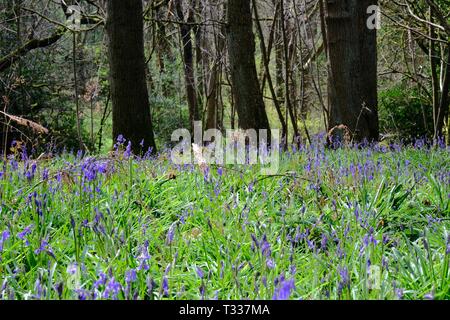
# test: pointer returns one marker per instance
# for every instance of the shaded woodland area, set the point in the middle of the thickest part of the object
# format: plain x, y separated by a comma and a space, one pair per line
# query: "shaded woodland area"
77, 74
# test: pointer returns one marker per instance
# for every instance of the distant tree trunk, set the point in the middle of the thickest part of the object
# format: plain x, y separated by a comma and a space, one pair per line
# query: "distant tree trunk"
213, 112
163, 53
241, 50
129, 93
185, 30
287, 93
443, 108
201, 60
279, 55
279, 60
352, 52
266, 64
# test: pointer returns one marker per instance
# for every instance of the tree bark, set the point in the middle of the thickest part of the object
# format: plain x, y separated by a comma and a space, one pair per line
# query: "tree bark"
267, 75
129, 93
443, 110
352, 52
213, 108
286, 59
241, 50
189, 75
163, 53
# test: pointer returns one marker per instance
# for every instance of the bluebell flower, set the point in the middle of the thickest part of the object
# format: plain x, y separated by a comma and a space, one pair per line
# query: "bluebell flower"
101, 280
38, 289
217, 189
44, 247
14, 165
292, 269
45, 174
22, 235
265, 247
206, 177
150, 285
222, 269
171, 234
5, 236
130, 276
143, 258
165, 286
127, 152
386, 239
399, 293
284, 290
120, 139
72, 268
447, 251
59, 287
112, 289
72, 222
255, 241
264, 281
200, 273
102, 167
429, 296
202, 290
344, 277
30, 174
82, 294
311, 244
324, 242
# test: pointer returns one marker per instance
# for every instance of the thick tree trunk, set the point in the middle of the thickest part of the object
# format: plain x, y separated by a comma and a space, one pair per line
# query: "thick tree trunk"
129, 93
241, 50
352, 53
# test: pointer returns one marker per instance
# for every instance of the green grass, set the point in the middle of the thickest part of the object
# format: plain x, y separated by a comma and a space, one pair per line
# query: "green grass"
326, 215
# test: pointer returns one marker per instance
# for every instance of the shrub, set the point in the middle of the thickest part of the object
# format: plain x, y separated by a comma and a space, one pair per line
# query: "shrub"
401, 114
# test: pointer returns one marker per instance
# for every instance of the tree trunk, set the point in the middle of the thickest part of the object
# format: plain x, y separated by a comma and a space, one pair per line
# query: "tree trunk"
201, 60
185, 30
267, 75
163, 53
352, 52
287, 76
213, 112
129, 93
444, 102
241, 50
